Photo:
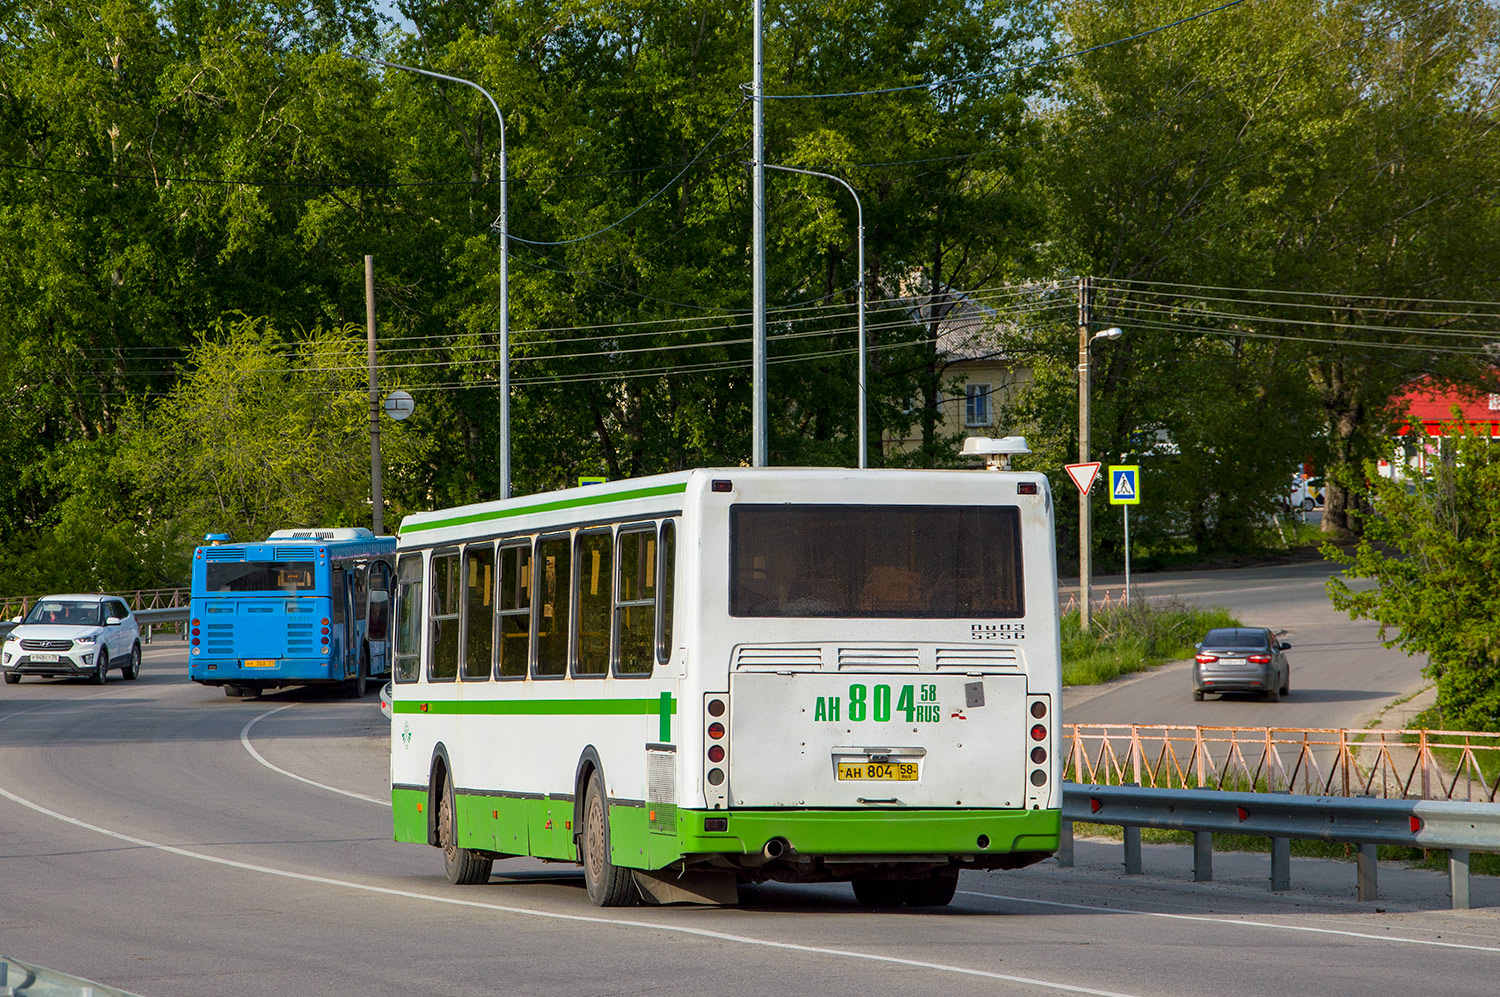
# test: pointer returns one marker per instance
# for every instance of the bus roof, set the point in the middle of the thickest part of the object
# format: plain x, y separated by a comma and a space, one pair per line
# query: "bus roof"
653, 495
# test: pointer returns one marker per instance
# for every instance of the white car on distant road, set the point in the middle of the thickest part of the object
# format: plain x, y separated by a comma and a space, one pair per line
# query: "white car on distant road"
80, 636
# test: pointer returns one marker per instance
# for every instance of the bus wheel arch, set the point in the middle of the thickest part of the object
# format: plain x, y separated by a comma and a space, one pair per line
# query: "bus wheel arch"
588, 765
439, 770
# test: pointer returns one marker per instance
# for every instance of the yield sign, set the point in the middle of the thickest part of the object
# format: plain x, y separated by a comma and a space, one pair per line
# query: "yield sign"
1083, 475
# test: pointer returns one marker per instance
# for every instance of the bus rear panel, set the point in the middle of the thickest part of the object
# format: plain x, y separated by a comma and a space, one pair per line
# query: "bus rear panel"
291, 611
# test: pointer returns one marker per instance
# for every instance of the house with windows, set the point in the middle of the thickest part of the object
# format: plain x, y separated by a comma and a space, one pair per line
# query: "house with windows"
978, 377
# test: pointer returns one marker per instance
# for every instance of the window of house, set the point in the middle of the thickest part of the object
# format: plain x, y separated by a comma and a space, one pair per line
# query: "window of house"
977, 405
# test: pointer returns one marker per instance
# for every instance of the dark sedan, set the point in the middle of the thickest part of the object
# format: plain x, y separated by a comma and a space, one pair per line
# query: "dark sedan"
1242, 659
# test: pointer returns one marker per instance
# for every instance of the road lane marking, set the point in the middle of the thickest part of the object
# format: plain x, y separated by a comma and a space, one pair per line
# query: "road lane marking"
720, 936
1234, 921
245, 740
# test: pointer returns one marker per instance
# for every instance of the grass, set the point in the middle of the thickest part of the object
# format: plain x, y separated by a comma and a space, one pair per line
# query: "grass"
1134, 638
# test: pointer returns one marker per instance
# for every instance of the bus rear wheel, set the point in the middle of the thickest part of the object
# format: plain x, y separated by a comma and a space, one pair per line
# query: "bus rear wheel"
936, 890
463, 867
608, 884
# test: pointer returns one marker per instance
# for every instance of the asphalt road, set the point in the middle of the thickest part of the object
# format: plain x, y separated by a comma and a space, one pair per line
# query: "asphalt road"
159, 837
1341, 675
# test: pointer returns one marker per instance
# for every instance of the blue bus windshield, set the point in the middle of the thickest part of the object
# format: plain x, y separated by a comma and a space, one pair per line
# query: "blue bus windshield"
259, 576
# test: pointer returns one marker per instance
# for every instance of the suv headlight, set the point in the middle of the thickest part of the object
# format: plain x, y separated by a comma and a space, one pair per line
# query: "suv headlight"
86, 639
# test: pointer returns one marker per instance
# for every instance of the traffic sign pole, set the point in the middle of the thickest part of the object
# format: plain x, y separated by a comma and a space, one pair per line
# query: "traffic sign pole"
1125, 491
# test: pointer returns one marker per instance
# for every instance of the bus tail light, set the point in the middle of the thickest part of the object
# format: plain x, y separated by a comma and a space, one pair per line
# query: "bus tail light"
716, 750
1040, 775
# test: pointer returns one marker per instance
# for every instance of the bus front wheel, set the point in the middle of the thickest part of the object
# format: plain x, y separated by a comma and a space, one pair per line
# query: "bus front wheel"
360, 684
464, 867
608, 884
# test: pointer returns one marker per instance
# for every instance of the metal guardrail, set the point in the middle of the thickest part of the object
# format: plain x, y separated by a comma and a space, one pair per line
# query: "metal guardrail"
19, 979
1422, 764
138, 599
1454, 826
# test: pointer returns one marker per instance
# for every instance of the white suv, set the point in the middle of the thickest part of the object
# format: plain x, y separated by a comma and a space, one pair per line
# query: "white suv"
73, 635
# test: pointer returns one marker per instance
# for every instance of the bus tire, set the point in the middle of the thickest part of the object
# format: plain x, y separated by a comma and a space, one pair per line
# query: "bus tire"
608, 884
132, 669
101, 668
463, 867
359, 685
873, 892
936, 890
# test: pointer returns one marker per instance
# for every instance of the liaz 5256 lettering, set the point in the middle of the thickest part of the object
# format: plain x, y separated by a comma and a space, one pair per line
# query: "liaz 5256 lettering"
695, 680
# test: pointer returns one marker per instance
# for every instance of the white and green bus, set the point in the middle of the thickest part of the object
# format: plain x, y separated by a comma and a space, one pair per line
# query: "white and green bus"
693, 680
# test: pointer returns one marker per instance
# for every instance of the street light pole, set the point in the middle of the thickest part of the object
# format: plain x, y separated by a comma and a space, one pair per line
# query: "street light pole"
1085, 523
760, 431
502, 225
860, 380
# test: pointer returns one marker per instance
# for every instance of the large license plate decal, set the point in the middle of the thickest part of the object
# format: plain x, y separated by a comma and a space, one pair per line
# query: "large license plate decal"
43, 657
879, 771
260, 662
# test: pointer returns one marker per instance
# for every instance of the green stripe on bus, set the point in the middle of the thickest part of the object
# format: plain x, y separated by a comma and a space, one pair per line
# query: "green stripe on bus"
582, 501
663, 707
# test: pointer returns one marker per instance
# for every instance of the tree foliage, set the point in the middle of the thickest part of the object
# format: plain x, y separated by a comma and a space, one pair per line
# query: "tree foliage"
176, 169
1432, 547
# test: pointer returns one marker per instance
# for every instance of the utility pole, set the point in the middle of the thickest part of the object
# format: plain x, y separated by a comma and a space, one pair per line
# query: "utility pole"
377, 500
1085, 292
760, 444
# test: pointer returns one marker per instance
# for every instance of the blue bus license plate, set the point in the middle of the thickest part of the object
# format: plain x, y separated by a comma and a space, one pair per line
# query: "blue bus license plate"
260, 662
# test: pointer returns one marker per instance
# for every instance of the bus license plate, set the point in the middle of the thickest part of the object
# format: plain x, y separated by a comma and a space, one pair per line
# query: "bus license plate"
260, 662
881, 771
43, 657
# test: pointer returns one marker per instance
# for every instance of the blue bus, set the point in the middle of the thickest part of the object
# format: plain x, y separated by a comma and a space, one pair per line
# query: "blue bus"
306, 607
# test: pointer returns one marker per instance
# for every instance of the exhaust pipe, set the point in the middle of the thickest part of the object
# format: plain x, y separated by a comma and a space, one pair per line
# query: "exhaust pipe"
775, 848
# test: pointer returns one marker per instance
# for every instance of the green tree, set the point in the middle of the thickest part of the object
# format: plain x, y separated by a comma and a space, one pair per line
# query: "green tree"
265, 431
1341, 152
1433, 549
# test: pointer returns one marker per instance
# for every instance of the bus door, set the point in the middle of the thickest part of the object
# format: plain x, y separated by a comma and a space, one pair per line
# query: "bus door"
378, 615
342, 661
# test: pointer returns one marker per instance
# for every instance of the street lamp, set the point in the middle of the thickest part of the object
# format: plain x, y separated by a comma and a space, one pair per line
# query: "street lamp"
1084, 521
860, 381
503, 227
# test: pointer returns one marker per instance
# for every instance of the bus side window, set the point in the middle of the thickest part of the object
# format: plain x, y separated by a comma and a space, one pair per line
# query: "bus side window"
379, 598
409, 607
595, 579
361, 593
515, 609
479, 611
554, 562
635, 601
664, 604
442, 666
336, 596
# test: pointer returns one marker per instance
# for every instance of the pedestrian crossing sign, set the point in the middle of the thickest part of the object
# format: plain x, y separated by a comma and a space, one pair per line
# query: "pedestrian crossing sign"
1124, 484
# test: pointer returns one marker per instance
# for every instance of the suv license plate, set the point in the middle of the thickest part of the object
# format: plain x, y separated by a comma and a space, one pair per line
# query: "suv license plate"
42, 657
879, 771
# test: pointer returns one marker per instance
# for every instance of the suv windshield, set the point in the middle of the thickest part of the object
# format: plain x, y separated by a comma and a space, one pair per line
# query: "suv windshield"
66, 613
1250, 639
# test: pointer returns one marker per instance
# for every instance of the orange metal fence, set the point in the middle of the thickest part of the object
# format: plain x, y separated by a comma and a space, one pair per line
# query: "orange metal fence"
1399, 764
137, 599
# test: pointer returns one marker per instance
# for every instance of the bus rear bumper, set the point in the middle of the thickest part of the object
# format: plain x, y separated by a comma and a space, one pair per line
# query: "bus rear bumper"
844, 834
282, 671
